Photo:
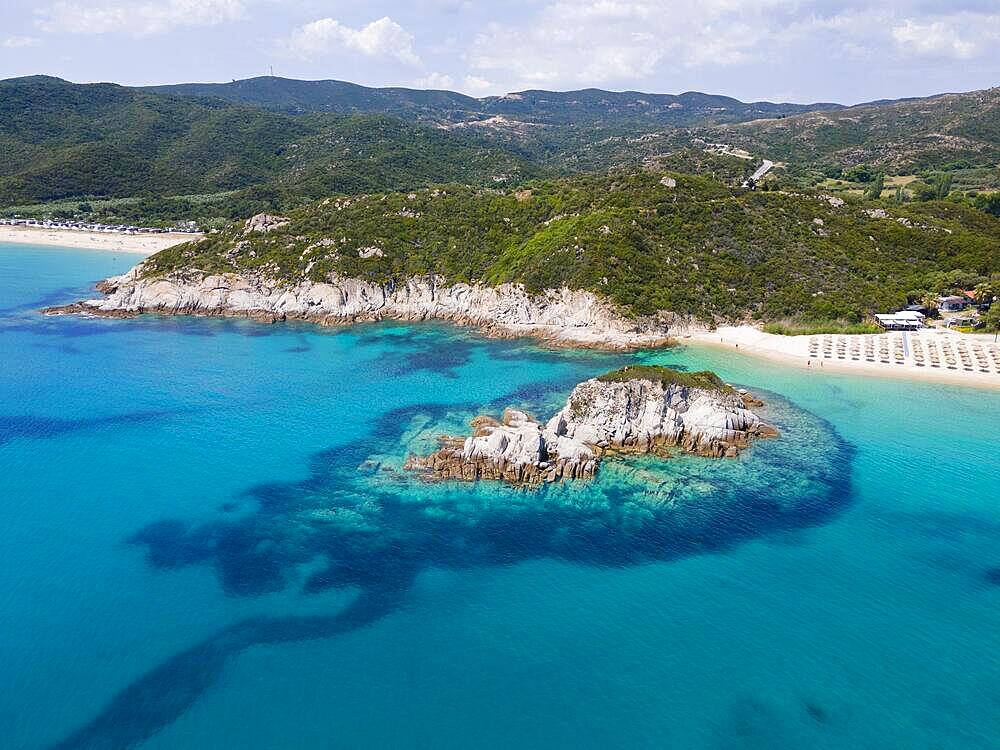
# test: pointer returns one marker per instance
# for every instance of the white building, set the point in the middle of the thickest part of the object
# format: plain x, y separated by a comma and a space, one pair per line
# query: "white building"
952, 304
907, 320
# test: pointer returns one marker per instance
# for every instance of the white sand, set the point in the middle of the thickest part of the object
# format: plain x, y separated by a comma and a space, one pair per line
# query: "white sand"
141, 244
931, 354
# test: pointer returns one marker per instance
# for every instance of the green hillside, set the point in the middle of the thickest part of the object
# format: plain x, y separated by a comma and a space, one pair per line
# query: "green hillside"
64, 140
698, 247
215, 152
298, 97
897, 137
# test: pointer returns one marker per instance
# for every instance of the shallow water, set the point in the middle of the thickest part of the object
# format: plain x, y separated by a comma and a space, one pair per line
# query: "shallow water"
208, 543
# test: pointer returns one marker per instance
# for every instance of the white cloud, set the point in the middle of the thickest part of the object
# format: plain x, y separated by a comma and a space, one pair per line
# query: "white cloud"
628, 42
471, 85
383, 39
603, 41
20, 42
477, 86
803, 49
934, 38
136, 18
435, 81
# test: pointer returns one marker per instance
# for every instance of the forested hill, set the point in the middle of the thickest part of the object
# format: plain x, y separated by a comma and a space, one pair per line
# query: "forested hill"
649, 242
65, 140
586, 107
298, 97
897, 137
215, 152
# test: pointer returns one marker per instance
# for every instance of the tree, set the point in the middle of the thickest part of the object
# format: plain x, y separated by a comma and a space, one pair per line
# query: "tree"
934, 187
923, 191
860, 173
874, 190
988, 202
942, 184
991, 318
958, 279
929, 302
984, 293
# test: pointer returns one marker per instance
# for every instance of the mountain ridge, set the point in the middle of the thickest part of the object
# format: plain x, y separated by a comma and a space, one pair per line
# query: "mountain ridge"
589, 104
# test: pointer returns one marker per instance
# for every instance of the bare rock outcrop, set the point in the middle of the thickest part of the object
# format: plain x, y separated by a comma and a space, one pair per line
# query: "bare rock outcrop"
514, 450
652, 413
560, 316
265, 223
646, 414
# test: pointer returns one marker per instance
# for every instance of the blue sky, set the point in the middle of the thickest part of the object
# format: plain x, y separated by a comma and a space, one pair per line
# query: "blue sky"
799, 50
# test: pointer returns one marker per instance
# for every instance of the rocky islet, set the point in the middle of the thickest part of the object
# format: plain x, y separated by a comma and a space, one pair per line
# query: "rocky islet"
653, 412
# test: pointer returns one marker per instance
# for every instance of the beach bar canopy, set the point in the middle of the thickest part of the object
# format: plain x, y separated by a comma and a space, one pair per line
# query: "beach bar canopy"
908, 320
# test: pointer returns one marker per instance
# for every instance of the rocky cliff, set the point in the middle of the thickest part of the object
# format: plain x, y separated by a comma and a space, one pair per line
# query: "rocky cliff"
654, 411
561, 316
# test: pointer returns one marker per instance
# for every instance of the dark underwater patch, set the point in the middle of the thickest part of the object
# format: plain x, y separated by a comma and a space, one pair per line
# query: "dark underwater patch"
164, 693
426, 356
61, 348
816, 712
172, 544
83, 327
36, 427
528, 349
53, 298
377, 533
992, 576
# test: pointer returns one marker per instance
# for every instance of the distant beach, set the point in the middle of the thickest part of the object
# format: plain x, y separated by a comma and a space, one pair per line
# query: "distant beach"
930, 354
140, 244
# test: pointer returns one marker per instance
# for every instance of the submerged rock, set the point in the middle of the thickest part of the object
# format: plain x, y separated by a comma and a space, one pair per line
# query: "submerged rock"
634, 410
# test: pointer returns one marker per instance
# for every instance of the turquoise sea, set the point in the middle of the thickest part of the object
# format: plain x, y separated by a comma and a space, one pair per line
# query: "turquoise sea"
207, 542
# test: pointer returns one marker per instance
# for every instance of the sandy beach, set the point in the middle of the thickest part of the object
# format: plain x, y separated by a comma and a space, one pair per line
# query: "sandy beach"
139, 244
933, 355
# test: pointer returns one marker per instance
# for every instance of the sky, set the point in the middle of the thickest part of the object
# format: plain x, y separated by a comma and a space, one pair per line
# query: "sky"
845, 51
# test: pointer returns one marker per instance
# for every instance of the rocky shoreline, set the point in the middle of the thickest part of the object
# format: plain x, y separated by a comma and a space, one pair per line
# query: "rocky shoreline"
558, 316
647, 410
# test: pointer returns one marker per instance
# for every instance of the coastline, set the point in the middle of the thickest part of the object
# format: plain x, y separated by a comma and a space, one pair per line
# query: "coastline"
555, 336
794, 351
556, 317
138, 244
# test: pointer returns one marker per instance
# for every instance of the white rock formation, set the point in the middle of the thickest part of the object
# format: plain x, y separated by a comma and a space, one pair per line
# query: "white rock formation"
265, 223
515, 450
642, 415
638, 416
562, 316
